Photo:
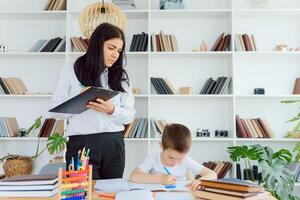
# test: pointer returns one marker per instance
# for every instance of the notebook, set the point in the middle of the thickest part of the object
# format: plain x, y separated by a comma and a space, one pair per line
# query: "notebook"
77, 104
136, 194
28, 187
30, 193
111, 185
232, 184
29, 180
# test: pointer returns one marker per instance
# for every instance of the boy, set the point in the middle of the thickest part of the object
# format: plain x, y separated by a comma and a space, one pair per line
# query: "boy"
171, 163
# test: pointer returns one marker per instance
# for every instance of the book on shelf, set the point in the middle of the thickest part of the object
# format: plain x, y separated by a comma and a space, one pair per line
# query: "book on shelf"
55, 5
297, 86
29, 186
9, 127
222, 43
51, 126
12, 85
161, 86
52, 45
139, 42
253, 128
221, 168
163, 42
219, 86
157, 127
137, 129
79, 44
244, 42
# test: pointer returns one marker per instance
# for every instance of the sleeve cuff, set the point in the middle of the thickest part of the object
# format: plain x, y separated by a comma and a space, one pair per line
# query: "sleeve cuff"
116, 111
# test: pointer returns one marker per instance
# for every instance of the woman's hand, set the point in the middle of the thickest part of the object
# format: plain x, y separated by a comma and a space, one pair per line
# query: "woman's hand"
102, 106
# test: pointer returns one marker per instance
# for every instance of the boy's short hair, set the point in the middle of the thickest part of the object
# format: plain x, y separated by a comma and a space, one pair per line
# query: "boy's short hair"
176, 137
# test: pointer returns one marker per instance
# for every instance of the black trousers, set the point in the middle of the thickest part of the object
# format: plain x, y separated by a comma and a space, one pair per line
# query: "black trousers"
107, 153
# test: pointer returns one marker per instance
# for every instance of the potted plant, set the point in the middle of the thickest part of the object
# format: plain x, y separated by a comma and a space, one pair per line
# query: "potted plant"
22, 165
247, 153
297, 151
277, 178
295, 132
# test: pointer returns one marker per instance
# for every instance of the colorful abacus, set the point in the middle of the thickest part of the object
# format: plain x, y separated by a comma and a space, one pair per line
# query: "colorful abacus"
75, 185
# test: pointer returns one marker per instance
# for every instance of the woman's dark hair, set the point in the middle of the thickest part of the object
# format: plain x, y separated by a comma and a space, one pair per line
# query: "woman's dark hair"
89, 67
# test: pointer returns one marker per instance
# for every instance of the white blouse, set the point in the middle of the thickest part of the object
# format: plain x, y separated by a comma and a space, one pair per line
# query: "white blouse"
92, 121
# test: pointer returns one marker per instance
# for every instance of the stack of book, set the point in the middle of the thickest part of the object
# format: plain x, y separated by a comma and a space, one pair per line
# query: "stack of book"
137, 129
163, 42
244, 42
221, 168
222, 43
139, 42
9, 127
51, 126
295, 169
157, 127
55, 5
230, 189
79, 44
219, 86
253, 128
29, 186
53, 45
125, 4
162, 86
12, 85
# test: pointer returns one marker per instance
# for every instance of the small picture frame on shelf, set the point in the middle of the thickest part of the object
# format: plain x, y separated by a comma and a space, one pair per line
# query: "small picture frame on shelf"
259, 91
171, 4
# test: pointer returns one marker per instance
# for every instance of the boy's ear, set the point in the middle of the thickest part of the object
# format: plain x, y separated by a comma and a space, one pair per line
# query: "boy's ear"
160, 144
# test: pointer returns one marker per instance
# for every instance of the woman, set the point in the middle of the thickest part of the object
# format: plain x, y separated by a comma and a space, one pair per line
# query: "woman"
100, 127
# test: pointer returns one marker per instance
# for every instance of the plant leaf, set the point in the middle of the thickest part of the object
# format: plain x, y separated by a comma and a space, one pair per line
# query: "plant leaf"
284, 155
294, 119
35, 125
56, 143
289, 101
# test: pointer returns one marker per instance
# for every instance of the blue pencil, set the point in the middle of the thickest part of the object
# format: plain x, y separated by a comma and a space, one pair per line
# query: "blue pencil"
169, 173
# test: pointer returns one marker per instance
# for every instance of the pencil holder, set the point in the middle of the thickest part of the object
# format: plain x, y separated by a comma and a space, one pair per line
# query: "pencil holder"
75, 185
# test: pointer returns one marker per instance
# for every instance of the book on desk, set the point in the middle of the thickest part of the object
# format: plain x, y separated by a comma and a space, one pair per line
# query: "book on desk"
29, 186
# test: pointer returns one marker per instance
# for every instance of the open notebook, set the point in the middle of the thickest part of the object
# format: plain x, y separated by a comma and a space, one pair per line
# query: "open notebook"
147, 195
110, 185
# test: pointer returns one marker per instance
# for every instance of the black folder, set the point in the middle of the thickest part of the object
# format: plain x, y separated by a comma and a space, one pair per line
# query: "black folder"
77, 104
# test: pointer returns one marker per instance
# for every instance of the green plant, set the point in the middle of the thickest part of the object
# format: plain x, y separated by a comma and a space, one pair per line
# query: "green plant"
295, 132
277, 178
35, 125
246, 153
297, 151
55, 143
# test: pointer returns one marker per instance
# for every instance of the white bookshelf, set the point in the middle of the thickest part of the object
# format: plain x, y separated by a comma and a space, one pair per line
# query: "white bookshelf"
201, 20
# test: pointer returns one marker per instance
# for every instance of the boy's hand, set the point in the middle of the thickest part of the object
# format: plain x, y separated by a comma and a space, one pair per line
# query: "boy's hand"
167, 180
196, 184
